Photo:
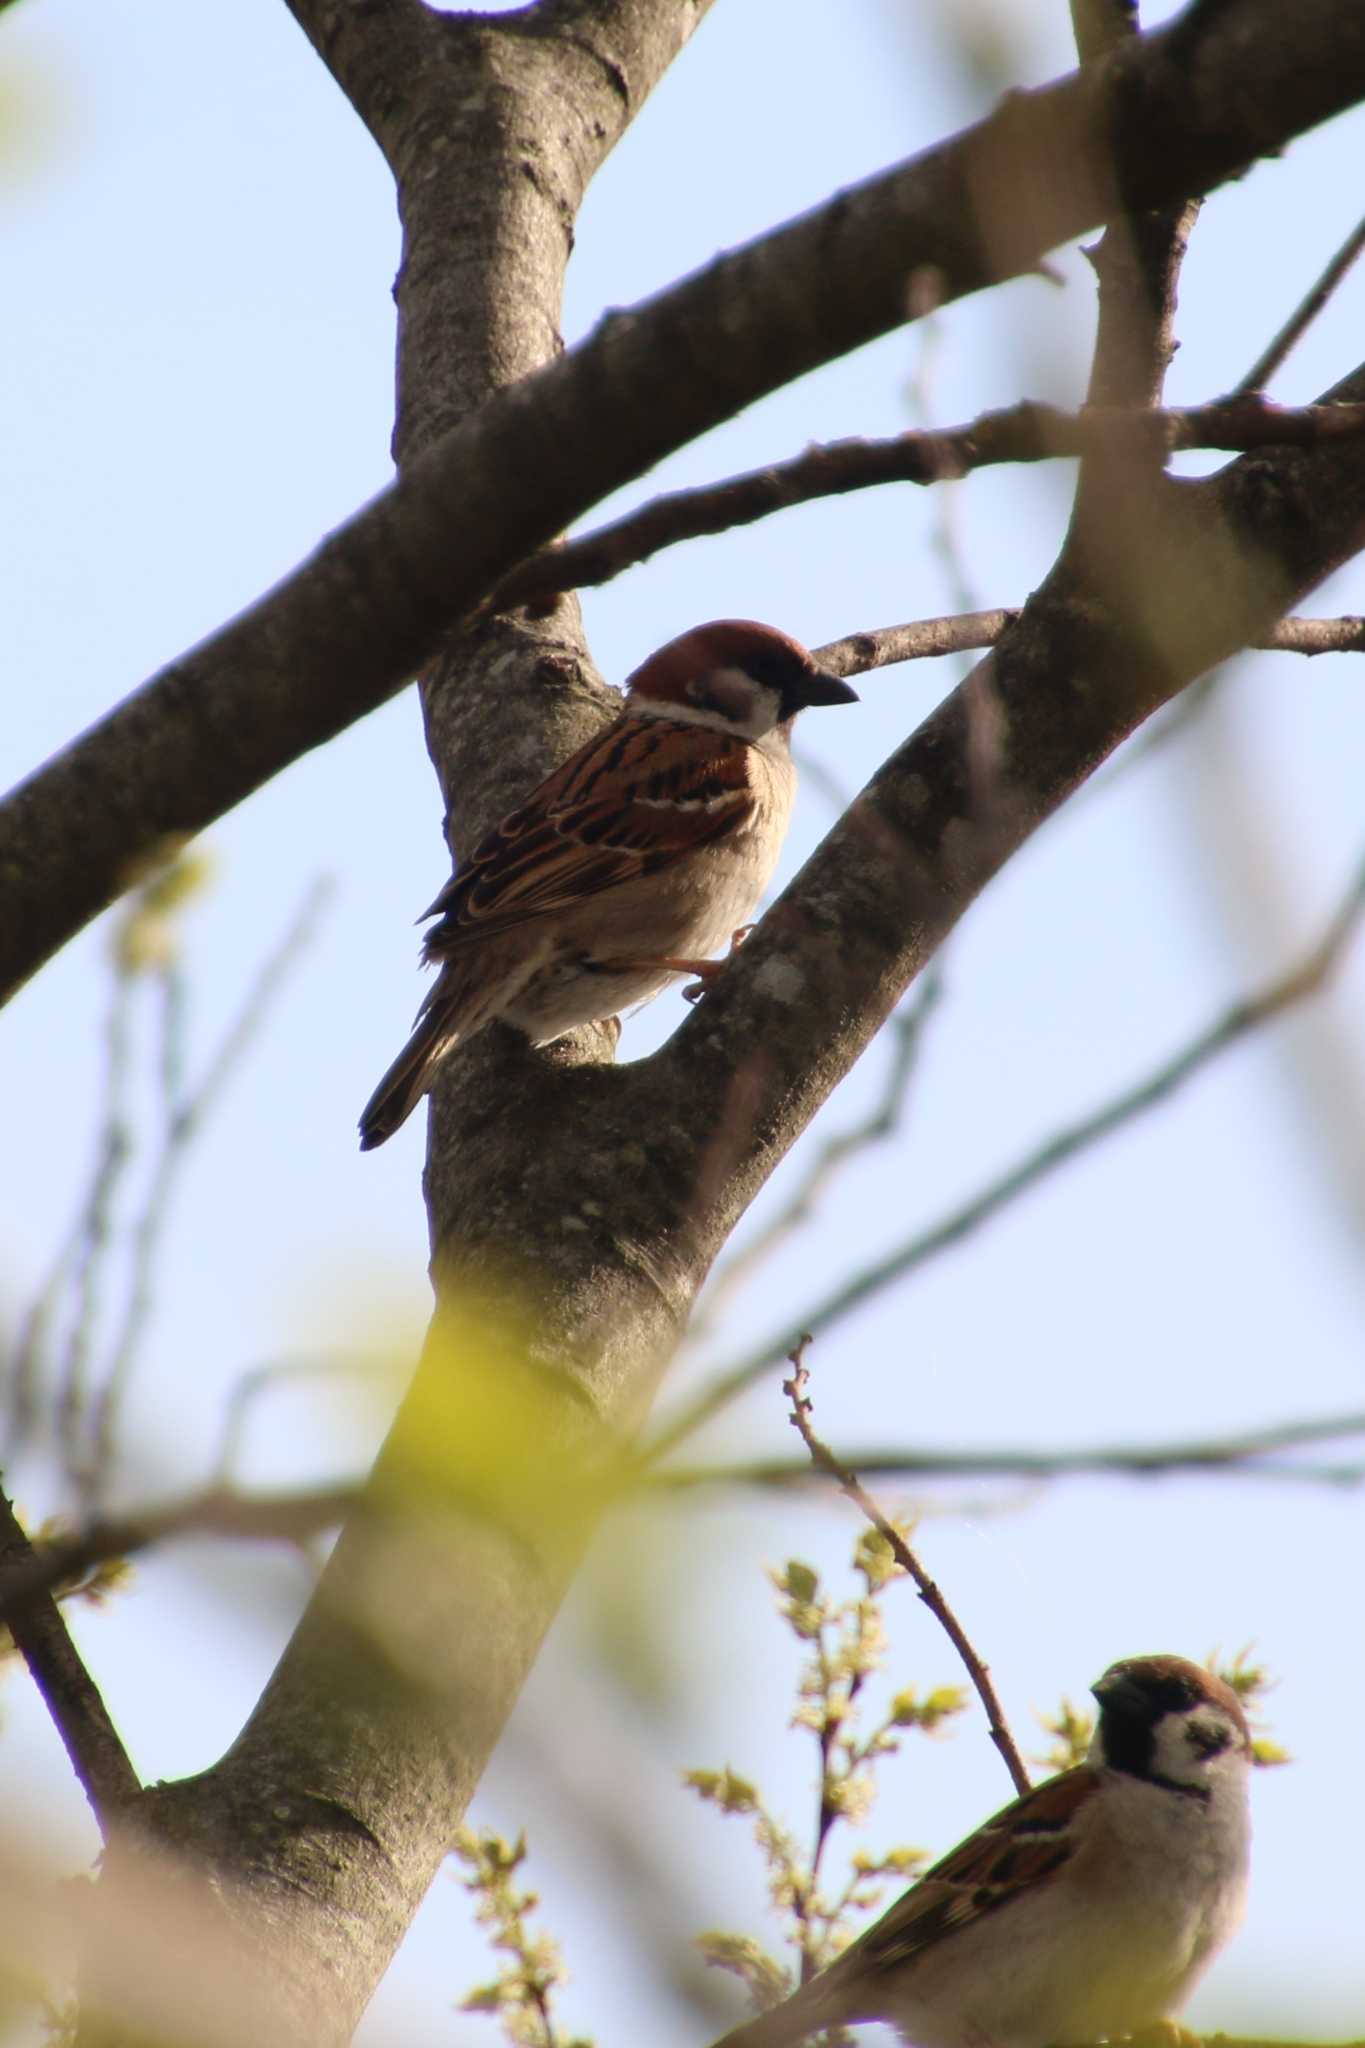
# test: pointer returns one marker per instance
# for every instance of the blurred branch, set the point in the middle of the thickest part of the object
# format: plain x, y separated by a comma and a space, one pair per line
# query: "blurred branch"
1137, 263
1027, 432
80, 1264
1246, 2041
297, 1516
945, 506
88, 1391
1237, 1455
184, 1116
287, 1517
69, 1693
825, 1461
906, 1029
1304, 314
260, 1380
1238, 1022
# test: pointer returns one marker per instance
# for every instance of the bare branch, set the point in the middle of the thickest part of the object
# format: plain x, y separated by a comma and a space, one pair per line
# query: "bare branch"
1345, 635
1218, 87
70, 1694
378, 53
825, 1461
961, 632
1304, 314
1099, 26
1253, 1454
1306, 978
1027, 432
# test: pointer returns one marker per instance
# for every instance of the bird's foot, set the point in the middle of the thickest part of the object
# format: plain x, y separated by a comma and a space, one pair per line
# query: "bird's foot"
705, 970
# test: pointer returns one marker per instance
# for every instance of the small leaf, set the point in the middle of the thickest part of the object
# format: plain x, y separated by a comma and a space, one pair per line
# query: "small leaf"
725, 1789
484, 1998
800, 1581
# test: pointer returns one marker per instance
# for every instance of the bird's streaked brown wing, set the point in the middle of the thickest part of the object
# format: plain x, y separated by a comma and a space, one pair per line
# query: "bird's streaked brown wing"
640, 796
1023, 1846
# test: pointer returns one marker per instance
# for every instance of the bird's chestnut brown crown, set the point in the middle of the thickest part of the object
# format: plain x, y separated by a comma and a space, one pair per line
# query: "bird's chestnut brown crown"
693, 669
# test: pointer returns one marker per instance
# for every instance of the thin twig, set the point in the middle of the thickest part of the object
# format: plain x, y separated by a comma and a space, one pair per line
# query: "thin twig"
1237, 1022
965, 632
1026, 432
1304, 314
1238, 1455
824, 1459
69, 1693
93, 1238
184, 1116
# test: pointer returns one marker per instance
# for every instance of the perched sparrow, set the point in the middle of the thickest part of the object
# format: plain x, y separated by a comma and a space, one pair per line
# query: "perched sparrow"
1089, 1907
642, 854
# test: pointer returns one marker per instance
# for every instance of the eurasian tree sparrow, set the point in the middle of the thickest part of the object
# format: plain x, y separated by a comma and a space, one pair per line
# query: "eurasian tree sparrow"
629, 864
1088, 1908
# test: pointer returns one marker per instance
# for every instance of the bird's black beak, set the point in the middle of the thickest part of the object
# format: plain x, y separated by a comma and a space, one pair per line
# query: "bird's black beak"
1117, 1694
820, 687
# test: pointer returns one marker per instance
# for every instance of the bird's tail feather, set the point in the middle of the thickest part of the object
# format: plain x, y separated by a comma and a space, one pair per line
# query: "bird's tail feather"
408, 1079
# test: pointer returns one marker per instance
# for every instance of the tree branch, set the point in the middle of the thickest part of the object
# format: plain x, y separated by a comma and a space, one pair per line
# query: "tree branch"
1178, 111
376, 53
69, 1693
926, 639
1027, 432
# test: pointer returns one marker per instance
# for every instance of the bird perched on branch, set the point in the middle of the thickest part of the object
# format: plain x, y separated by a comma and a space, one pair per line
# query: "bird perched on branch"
631, 863
1088, 1908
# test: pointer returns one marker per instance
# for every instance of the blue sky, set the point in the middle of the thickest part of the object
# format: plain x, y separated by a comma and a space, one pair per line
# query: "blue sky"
200, 243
